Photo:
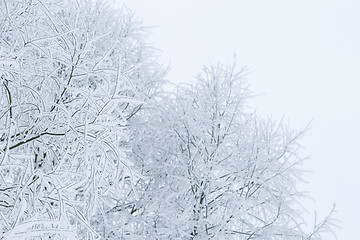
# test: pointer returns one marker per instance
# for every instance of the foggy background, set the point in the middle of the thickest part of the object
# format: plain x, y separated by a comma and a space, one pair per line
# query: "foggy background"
305, 55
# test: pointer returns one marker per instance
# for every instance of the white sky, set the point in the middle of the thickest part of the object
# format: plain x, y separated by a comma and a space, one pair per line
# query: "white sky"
306, 57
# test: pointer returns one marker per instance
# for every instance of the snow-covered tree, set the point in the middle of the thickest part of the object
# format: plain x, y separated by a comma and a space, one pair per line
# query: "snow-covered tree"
90, 148
72, 74
215, 169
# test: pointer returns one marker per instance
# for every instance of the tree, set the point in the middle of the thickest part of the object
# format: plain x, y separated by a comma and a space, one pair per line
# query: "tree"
72, 75
216, 169
91, 148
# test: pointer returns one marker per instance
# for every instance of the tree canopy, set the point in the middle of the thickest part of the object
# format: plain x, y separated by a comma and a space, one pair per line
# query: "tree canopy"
92, 146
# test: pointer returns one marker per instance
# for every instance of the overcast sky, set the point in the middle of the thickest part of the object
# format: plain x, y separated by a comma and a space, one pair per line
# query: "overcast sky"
305, 56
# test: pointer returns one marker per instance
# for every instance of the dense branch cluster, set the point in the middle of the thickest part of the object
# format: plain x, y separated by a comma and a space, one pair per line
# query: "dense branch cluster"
90, 147
72, 75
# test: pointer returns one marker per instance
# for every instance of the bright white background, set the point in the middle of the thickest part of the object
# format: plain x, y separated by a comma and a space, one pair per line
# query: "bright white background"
306, 58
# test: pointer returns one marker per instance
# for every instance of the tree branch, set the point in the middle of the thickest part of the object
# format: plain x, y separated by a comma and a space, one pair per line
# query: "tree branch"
34, 138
